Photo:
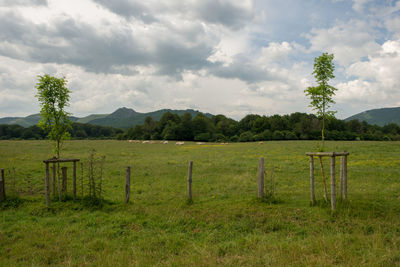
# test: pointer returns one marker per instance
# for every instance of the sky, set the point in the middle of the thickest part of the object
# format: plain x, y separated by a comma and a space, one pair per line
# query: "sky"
219, 56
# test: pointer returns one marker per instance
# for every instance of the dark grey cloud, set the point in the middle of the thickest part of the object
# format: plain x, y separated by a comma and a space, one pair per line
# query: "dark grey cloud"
83, 45
8, 3
80, 44
128, 9
223, 12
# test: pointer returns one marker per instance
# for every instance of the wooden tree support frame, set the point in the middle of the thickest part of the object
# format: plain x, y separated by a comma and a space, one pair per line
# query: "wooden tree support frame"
343, 174
47, 177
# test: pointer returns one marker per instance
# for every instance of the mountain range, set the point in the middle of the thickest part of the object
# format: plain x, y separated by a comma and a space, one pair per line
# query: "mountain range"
121, 118
380, 117
127, 117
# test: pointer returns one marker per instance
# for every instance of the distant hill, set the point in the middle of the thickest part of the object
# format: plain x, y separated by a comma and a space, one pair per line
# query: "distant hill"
125, 118
121, 118
379, 117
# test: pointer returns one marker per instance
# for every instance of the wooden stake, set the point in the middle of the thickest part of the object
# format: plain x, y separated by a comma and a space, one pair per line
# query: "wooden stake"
312, 180
128, 184
47, 185
345, 178
260, 178
58, 181
2, 186
189, 180
323, 179
64, 179
74, 181
341, 177
333, 184
54, 179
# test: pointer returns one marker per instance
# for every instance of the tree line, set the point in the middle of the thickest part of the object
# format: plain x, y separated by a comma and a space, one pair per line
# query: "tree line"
296, 126
77, 131
219, 128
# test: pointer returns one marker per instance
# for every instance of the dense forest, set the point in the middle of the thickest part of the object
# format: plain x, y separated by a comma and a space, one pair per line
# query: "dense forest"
77, 131
296, 126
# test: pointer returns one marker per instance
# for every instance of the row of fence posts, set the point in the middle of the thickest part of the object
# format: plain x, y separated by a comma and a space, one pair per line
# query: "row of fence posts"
261, 174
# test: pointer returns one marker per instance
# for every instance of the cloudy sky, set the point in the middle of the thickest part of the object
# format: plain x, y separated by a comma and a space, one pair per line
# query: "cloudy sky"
226, 57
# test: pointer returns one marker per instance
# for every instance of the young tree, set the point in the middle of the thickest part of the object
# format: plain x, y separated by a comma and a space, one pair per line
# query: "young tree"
53, 96
321, 95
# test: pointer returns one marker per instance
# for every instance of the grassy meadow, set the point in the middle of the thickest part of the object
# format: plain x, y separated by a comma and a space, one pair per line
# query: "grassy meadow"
225, 225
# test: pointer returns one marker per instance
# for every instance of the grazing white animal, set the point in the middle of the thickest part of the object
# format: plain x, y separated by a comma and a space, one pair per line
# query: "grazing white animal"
145, 142
165, 142
179, 143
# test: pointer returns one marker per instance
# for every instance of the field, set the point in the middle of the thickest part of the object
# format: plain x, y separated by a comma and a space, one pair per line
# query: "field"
225, 225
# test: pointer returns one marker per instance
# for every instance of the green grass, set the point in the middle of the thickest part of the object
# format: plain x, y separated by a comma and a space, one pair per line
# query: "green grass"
225, 225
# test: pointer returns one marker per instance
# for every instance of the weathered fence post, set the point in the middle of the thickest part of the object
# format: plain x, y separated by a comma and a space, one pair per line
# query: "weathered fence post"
64, 179
333, 183
2, 186
47, 184
189, 181
260, 178
58, 181
341, 184
345, 177
74, 181
54, 179
312, 180
128, 184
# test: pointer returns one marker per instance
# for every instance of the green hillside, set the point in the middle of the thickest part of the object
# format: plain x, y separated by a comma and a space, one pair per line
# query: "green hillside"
89, 118
23, 121
379, 117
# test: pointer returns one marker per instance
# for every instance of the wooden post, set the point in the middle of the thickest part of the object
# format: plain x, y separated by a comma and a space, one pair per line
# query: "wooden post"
2, 186
323, 178
260, 178
54, 179
189, 181
312, 180
74, 181
128, 184
58, 181
345, 177
47, 184
64, 179
341, 177
333, 184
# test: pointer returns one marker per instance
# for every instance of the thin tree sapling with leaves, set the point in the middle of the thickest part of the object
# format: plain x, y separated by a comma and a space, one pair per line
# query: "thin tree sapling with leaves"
53, 96
322, 95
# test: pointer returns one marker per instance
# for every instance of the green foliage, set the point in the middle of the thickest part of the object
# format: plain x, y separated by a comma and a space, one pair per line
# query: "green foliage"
53, 96
322, 95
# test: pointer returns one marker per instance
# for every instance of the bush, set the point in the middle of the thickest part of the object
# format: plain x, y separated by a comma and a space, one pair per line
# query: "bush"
246, 137
290, 135
204, 137
278, 135
234, 138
